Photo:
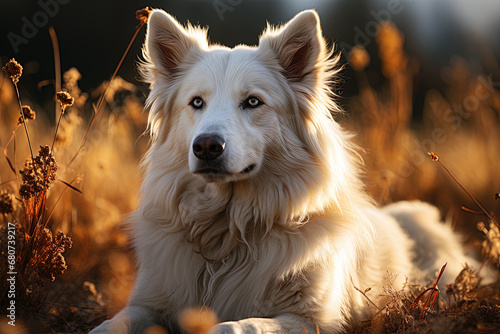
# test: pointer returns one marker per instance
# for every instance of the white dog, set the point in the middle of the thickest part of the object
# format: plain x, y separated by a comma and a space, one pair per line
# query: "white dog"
252, 204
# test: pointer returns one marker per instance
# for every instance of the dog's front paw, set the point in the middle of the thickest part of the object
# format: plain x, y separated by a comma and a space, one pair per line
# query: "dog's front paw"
235, 327
224, 328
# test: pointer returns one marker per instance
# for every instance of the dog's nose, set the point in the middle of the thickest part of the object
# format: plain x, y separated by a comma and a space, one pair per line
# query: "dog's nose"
208, 147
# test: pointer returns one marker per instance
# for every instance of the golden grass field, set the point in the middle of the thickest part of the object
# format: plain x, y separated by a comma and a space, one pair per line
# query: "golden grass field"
69, 281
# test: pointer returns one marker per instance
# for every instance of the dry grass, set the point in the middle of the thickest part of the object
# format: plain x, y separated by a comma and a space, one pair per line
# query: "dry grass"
74, 267
462, 123
71, 193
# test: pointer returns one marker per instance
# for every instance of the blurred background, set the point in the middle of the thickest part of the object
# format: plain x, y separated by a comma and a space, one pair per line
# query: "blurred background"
419, 76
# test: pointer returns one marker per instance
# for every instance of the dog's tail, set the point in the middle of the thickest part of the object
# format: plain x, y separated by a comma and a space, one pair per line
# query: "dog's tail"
435, 242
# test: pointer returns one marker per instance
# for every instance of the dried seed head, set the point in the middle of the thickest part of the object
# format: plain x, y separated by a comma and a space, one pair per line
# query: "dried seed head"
65, 99
143, 14
466, 282
359, 58
48, 260
433, 156
31, 185
29, 114
491, 245
39, 176
6, 205
62, 242
482, 227
13, 70
71, 78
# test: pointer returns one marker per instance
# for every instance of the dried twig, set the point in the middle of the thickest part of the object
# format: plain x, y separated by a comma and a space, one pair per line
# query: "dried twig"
143, 19
435, 158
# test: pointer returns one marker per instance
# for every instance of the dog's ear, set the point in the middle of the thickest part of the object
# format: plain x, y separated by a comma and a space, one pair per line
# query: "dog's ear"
299, 44
168, 43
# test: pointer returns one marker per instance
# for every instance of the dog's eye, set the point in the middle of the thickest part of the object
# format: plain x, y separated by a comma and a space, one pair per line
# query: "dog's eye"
252, 102
197, 102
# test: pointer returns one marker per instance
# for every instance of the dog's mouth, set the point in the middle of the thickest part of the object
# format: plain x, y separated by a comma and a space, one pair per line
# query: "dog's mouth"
248, 169
216, 173
211, 171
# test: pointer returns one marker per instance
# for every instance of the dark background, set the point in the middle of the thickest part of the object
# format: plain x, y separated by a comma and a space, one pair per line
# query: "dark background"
93, 34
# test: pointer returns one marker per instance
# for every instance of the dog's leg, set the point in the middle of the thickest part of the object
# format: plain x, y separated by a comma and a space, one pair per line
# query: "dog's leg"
132, 319
287, 323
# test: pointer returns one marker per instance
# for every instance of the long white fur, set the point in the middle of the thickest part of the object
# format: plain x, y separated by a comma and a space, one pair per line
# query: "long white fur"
281, 247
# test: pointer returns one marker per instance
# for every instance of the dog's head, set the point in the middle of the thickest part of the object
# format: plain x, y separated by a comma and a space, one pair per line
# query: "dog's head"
234, 112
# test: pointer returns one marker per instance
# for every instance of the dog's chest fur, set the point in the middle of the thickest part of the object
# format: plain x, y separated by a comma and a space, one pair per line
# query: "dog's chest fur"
234, 287
239, 275
210, 263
